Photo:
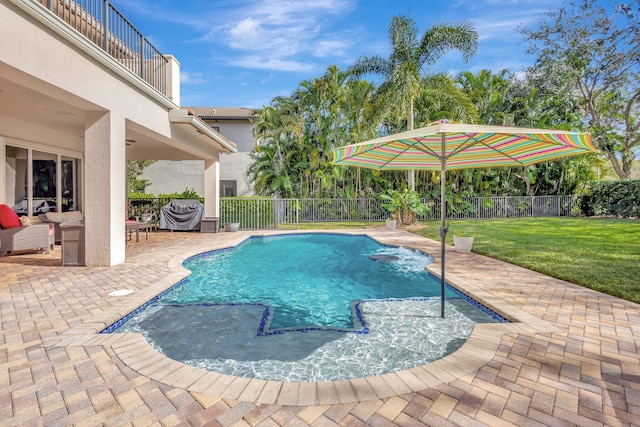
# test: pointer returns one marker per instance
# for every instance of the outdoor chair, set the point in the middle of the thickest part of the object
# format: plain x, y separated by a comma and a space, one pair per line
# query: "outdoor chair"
137, 224
16, 237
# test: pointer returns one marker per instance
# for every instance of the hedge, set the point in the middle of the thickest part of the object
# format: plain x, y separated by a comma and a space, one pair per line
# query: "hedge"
612, 198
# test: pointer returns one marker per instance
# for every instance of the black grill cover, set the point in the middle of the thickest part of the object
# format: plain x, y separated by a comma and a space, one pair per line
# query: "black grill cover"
181, 215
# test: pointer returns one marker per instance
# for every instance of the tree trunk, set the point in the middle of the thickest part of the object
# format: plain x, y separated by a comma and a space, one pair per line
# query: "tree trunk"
527, 182
619, 169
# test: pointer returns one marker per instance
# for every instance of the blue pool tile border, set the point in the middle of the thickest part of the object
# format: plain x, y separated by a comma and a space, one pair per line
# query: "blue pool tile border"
263, 329
478, 305
112, 328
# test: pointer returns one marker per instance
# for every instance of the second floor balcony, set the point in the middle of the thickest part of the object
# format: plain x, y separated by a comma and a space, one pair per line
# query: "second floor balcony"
101, 23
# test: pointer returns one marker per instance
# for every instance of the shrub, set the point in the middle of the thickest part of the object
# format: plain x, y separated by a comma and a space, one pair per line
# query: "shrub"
188, 193
612, 198
403, 206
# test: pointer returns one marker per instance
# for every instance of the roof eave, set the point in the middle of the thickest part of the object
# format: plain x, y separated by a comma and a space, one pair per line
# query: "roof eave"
183, 117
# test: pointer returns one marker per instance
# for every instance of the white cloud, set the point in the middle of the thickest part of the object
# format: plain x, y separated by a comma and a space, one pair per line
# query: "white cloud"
501, 18
330, 47
270, 63
191, 78
275, 34
255, 35
246, 33
241, 76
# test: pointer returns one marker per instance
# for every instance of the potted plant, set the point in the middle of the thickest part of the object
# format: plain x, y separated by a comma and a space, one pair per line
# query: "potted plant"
462, 241
392, 203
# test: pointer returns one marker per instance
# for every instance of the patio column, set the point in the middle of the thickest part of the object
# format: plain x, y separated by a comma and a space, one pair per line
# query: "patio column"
211, 188
104, 189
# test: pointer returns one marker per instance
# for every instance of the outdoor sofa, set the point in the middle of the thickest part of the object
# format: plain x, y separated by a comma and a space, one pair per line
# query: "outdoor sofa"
16, 237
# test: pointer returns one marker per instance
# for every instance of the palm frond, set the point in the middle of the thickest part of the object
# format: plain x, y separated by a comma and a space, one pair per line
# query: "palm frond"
443, 38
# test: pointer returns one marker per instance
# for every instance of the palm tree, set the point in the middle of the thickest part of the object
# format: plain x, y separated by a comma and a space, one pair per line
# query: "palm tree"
275, 129
492, 94
402, 70
441, 98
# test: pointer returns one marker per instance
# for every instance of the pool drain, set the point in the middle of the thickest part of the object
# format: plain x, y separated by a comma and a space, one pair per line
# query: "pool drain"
120, 293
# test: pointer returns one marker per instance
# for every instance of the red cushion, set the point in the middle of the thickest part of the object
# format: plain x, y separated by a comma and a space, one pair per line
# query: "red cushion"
8, 218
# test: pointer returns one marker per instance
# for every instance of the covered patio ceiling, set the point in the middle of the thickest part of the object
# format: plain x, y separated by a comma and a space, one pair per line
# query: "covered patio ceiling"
35, 111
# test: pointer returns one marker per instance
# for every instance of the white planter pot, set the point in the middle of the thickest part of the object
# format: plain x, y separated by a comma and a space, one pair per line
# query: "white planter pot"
231, 226
391, 224
463, 244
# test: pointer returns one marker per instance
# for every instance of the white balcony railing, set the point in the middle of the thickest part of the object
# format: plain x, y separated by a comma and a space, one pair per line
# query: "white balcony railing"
101, 23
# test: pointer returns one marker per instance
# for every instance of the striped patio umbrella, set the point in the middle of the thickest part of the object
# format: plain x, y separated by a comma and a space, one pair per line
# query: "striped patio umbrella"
445, 145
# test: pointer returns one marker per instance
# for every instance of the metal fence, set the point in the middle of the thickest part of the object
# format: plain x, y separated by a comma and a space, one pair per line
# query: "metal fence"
503, 207
271, 213
101, 23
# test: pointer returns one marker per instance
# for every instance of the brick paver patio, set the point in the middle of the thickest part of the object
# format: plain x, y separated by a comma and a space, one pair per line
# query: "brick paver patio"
571, 357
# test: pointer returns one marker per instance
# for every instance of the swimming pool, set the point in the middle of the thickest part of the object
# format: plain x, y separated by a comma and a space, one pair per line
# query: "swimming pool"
312, 280
311, 307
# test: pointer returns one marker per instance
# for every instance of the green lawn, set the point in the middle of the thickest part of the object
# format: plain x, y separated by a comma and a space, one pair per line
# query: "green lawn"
598, 253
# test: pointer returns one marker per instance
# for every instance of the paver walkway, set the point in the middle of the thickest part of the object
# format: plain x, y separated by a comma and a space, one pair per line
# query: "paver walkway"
579, 363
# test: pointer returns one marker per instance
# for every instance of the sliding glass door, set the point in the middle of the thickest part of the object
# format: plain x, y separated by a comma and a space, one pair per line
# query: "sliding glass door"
39, 181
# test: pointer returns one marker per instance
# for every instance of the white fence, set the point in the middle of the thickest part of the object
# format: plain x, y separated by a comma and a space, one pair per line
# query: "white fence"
257, 213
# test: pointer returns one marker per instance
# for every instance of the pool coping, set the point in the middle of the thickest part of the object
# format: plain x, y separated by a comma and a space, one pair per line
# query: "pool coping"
134, 351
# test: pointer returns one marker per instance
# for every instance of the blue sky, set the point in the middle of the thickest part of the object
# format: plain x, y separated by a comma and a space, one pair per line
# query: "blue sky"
242, 53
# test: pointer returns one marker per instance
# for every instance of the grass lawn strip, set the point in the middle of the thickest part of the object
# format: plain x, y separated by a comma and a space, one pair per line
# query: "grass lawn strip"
598, 253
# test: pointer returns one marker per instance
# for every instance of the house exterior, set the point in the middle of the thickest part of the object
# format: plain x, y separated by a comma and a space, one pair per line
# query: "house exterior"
233, 123
82, 92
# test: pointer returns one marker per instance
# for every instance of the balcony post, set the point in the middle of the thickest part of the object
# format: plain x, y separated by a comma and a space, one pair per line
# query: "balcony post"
105, 25
142, 40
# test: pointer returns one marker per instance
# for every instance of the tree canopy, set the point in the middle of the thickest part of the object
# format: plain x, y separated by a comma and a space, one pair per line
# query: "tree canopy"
589, 52
296, 134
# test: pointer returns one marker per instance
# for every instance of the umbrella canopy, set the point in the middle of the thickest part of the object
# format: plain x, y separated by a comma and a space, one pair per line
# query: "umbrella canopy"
447, 145
465, 147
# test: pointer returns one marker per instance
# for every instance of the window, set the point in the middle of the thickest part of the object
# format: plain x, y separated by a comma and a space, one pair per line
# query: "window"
228, 188
43, 178
39, 182
70, 188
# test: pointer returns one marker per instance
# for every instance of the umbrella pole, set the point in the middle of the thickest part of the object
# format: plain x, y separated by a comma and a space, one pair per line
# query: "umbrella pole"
443, 228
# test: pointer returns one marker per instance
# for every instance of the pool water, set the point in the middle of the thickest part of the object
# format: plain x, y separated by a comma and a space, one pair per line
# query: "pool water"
312, 307
308, 280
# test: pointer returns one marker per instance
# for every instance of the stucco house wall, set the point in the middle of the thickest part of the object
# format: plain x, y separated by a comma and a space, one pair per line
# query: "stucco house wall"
174, 176
63, 96
234, 124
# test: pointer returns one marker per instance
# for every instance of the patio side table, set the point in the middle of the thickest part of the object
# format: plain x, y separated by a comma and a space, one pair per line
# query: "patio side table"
72, 242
